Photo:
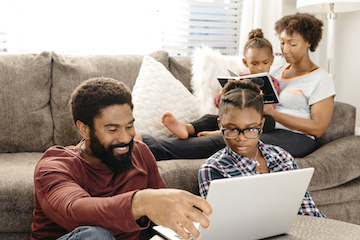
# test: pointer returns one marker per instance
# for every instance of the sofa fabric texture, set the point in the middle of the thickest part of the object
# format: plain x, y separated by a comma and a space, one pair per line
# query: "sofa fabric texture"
35, 93
25, 109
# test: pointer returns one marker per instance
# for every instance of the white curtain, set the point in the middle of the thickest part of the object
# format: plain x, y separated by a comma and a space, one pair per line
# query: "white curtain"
261, 14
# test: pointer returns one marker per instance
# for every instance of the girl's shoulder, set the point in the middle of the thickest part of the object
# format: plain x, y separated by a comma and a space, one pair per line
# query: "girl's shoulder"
272, 149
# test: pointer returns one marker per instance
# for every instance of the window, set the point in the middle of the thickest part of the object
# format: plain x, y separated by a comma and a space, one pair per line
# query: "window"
192, 23
119, 27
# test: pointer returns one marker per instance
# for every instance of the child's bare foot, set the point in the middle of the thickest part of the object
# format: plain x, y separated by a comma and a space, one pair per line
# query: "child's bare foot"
175, 126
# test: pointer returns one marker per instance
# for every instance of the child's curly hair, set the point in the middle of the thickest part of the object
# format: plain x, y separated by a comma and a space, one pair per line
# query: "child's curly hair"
307, 25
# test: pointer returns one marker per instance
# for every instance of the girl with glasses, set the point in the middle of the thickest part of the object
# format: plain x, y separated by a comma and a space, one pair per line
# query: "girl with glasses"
240, 121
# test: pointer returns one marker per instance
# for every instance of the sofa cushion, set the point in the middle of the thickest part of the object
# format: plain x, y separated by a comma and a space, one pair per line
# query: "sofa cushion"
157, 91
181, 173
25, 121
69, 71
17, 191
335, 163
336, 202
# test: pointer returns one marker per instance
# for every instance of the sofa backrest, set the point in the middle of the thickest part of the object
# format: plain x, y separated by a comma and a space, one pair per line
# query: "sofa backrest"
25, 117
36, 88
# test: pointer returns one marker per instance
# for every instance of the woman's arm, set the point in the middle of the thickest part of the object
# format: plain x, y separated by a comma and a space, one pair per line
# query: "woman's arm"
321, 113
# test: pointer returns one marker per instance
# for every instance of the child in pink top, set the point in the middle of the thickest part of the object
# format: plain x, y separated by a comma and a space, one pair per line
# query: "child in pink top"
258, 57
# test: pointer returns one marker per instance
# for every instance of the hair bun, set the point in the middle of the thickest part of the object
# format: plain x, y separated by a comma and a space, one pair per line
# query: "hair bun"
256, 33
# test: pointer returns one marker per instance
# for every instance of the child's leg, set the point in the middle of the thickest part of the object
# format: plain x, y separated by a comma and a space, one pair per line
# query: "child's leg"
269, 124
208, 122
192, 148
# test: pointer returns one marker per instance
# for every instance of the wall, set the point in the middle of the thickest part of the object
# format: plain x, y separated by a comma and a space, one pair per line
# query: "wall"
347, 59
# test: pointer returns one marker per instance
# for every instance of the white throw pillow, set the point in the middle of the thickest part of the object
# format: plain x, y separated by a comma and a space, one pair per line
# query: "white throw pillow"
156, 91
207, 65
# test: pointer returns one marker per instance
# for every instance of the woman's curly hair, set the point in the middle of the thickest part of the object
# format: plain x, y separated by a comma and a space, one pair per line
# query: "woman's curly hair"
307, 25
241, 94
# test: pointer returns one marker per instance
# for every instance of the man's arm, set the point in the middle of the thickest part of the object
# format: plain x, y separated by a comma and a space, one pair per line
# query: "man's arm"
70, 206
62, 191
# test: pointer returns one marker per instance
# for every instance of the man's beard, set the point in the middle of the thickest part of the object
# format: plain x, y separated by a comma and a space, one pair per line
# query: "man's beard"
120, 163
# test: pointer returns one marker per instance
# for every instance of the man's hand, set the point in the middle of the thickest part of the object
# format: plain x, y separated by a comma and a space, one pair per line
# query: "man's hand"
172, 208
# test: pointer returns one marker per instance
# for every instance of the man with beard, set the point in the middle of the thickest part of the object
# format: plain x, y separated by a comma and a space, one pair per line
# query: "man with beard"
108, 186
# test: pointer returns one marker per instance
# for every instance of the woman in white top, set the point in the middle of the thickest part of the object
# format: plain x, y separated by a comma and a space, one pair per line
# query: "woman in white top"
306, 91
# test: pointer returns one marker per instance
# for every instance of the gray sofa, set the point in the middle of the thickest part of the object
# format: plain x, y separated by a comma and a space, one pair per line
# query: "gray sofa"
34, 93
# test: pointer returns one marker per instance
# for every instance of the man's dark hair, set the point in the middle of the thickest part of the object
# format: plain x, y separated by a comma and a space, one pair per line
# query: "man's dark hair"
307, 25
95, 94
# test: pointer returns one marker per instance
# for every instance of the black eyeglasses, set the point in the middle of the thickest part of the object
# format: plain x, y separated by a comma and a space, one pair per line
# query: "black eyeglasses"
232, 133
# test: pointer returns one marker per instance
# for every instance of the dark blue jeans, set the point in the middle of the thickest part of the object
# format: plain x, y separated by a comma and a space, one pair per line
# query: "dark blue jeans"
298, 145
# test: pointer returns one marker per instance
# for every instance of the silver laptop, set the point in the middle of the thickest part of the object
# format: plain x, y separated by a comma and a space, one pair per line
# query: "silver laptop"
253, 207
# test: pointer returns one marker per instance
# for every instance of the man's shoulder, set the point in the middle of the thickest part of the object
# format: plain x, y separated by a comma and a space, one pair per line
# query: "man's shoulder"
61, 151
59, 155
140, 147
141, 152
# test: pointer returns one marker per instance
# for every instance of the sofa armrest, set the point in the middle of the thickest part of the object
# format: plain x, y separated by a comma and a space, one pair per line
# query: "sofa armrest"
335, 163
181, 174
342, 123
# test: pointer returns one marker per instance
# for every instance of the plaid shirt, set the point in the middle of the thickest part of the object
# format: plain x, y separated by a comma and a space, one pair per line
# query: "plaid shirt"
226, 163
